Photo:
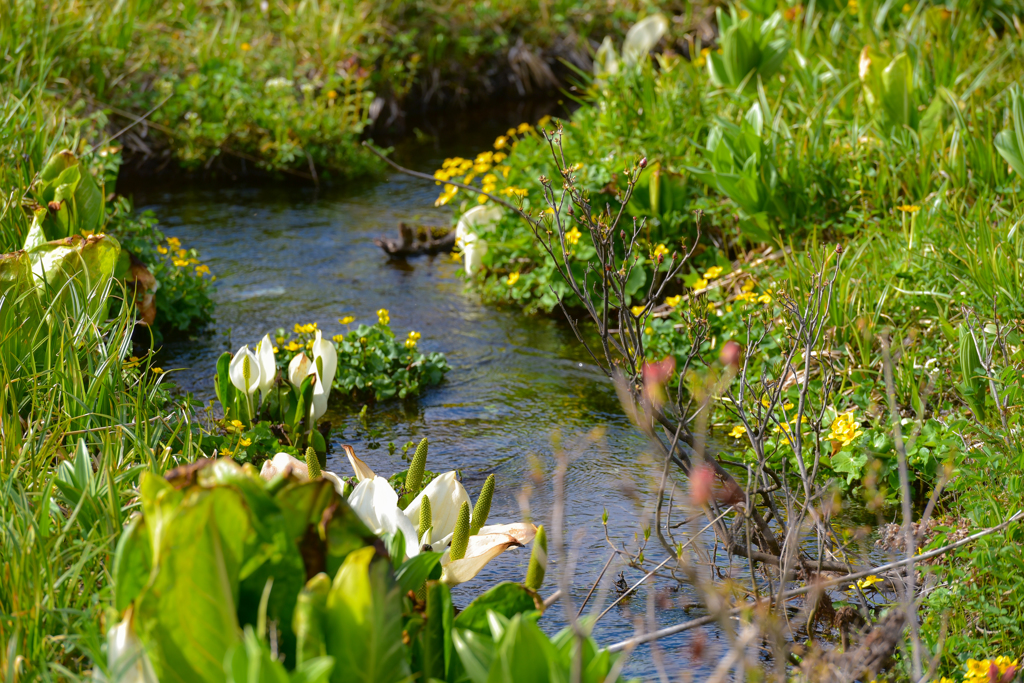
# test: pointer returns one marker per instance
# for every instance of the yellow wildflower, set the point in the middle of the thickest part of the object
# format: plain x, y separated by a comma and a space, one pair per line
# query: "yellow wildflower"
237, 424
482, 198
909, 208
180, 263
746, 296
748, 286
866, 582
501, 142
415, 336
713, 272
383, 316
738, 431
766, 297
157, 371
700, 284
906, 10
161, 249
573, 236
338, 338
246, 47
660, 250
544, 120
844, 429
524, 128
346, 320
648, 331
243, 442
174, 243
673, 301
202, 270
292, 346
332, 94
484, 157
513, 278
481, 168
637, 310
410, 343
500, 157
441, 175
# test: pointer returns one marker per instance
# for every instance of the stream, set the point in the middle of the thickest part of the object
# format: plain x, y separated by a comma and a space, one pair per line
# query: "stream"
520, 387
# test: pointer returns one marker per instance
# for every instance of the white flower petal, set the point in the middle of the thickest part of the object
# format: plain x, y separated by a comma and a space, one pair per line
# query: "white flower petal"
236, 371
325, 351
446, 497
281, 464
268, 367
361, 469
298, 369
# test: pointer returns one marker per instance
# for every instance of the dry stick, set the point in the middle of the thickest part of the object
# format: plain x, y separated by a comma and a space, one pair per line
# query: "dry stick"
910, 606
663, 563
596, 583
679, 628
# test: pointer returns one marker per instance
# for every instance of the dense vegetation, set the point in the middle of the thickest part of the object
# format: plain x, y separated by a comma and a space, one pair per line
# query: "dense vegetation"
794, 233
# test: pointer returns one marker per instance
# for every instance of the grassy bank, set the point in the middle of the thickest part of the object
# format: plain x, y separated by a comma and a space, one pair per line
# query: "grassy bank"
859, 165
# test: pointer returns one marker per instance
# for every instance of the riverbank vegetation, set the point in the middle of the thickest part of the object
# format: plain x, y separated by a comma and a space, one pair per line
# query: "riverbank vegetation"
787, 233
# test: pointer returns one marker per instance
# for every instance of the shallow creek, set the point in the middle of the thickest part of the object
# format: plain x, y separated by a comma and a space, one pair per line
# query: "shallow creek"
520, 387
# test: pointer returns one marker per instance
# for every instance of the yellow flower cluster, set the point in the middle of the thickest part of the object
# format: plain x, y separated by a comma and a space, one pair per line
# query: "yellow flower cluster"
866, 582
845, 429
738, 431
673, 301
383, 316
978, 671
414, 337
338, 338
661, 250
305, 329
513, 278
573, 236
293, 346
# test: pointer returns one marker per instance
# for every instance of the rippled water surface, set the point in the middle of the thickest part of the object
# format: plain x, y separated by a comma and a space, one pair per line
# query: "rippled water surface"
520, 388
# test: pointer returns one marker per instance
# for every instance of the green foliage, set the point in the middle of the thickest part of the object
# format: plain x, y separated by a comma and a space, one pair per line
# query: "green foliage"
748, 48
483, 505
241, 554
371, 361
538, 561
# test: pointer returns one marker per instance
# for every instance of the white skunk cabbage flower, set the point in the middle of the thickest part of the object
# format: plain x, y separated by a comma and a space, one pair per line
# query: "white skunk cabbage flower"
642, 37
483, 547
244, 371
298, 369
471, 225
284, 464
126, 658
268, 366
446, 497
606, 59
376, 503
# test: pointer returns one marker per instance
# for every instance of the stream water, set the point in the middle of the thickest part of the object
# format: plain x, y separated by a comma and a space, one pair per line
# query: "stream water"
520, 387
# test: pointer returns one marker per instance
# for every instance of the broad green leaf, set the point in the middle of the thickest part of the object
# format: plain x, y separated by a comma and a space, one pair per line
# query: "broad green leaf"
475, 653
416, 570
309, 620
364, 621
897, 89
133, 561
507, 599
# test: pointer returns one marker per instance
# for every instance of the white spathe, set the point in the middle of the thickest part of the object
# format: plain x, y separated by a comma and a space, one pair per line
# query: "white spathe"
268, 366
471, 225
127, 661
606, 59
642, 37
483, 547
446, 497
361, 469
284, 464
324, 351
376, 503
236, 371
298, 369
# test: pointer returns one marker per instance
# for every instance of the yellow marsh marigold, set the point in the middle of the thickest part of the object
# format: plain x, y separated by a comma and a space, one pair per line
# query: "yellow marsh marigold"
332, 94
202, 270
243, 442
748, 286
845, 429
700, 284
765, 298
866, 582
338, 338
346, 320
524, 128
174, 243
638, 310
661, 250
513, 278
713, 272
573, 236
245, 47
738, 431
673, 301
909, 208
501, 142
383, 317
